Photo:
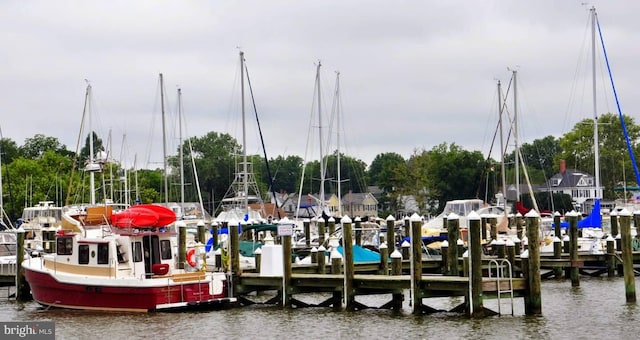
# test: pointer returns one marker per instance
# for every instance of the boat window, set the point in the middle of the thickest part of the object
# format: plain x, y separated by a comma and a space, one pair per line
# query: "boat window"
103, 253
64, 245
137, 251
165, 249
83, 254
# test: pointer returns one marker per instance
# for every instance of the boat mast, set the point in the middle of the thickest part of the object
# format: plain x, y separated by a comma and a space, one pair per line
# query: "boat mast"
245, 184
596, 148
502, 150
515, 132
164, 142
181, 146
322, 169
338, 142
92, 178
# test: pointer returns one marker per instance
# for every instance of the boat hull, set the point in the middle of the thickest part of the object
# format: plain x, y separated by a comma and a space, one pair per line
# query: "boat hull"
149, 295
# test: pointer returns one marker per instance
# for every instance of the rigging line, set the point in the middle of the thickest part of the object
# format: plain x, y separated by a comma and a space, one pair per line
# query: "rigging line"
264, 150
615, 95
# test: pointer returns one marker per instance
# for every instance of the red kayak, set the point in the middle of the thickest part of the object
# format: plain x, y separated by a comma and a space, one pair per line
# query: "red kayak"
140, 217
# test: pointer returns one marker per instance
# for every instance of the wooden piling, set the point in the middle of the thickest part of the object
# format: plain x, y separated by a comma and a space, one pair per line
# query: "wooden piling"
557, 254
307, 232
493, 223
286, 279
416, 260
358, 228
182, 243
396, 263
573, 248
557, 225
214, 233
475, 305
384, 259
533, 302
614, 223
453, 226
321, 231
483, 227
627, 256
234, 245
405, 248
332, 225
391, 239
314, 255
322, 259
444, 250
519, 226
202, 232
611, 256
258, 258
21, 291
347, 248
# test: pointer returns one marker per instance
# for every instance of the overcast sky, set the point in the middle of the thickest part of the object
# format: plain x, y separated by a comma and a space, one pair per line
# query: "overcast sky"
413, 74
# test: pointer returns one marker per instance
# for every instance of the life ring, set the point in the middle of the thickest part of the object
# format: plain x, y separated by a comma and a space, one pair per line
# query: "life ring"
191, 257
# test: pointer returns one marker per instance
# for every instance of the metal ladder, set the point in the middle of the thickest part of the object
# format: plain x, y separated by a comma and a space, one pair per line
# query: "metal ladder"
500, 275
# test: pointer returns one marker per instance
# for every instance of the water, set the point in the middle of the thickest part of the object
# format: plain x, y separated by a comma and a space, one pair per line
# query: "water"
595, 310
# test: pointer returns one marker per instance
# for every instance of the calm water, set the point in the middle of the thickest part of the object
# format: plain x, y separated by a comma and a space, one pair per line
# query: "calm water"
595, 310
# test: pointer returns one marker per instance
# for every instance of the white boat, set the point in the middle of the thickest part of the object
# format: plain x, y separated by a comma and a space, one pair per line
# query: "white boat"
132, 267
45, 216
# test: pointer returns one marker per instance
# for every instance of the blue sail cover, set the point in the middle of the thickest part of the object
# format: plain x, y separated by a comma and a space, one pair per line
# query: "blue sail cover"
361, 254
594, 220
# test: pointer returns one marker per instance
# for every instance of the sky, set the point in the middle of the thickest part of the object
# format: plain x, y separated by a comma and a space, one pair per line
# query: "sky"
413, 74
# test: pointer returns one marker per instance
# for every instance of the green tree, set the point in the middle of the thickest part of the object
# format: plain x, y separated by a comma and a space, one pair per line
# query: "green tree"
36, 146
578, 149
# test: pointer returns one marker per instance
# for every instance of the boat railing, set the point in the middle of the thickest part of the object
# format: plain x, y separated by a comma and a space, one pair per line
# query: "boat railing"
8, 269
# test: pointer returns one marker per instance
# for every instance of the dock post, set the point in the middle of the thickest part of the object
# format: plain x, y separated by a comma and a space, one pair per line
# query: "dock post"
391, 239
332, 225
475, 304
483, 227
557, 254
611, 256
182, 243
384, 259
347, 249
322, 259
557, 225
453, 227
405, 248
336, 261
234, 245
493, 223
307, 231
627, 256
614, 223
396, 269
21, 287
358, 230
573, 248
286, 278
511, 256
314, 255
518, 245
501, 250
519, 225
214, 234
416, 263
533, 300
321, 230
444, 250
202, 232
257, 254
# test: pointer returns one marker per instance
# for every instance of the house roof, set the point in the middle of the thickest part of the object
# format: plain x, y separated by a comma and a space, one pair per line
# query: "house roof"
567, 179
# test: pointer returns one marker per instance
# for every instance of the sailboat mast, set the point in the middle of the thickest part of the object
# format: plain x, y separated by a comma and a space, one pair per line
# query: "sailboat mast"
92, 178
181, 147
338, 143
502, 150
515, 132
322, 172
245, 184
164, 142
596, 148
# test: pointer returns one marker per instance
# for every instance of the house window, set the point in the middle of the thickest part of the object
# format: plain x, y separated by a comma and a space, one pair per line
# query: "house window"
83, 254
103, 253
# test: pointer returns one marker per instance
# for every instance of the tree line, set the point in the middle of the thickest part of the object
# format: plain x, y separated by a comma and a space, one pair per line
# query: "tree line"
43, 169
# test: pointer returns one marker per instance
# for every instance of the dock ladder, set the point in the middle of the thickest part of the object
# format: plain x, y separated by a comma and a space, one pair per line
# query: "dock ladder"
503, 268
